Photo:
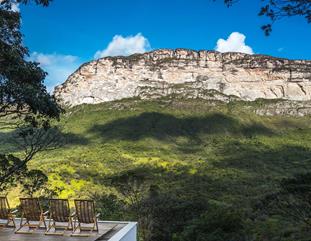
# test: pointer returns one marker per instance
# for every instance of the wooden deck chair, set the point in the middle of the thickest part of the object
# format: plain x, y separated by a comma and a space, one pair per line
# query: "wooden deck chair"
59, 212
32, 215
85, 215
6, 213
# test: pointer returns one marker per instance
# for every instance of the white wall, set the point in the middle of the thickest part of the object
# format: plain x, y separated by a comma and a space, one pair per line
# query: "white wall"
127, 233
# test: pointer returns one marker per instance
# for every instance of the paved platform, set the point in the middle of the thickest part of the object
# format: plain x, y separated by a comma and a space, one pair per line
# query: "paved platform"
106, 231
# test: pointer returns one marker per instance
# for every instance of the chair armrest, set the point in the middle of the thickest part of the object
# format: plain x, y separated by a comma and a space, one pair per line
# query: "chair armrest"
97, 215
45, 213
14, 211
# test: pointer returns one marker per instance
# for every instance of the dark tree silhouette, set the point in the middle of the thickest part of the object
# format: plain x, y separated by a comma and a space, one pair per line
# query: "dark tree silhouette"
32, 136
22, 90
24, 99
278, 9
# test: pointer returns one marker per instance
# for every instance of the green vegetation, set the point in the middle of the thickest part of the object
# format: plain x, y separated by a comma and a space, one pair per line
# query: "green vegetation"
24, 101
183, 168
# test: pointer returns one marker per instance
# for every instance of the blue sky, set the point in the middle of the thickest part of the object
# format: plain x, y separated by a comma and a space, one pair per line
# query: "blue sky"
70, 32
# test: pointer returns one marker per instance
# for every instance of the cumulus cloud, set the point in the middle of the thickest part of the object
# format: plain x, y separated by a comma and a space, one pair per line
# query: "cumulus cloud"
234, 43
123, 46
58, 67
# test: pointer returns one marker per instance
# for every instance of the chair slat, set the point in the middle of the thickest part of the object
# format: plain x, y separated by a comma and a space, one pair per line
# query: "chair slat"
31, 212
31, 208
85, 210
4, 209
59, 210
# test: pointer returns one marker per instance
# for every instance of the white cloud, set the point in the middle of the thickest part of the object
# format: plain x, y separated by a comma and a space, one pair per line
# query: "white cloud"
58, 67
123, 46
234, 43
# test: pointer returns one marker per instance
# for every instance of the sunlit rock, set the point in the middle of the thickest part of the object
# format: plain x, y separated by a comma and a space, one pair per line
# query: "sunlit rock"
190, 74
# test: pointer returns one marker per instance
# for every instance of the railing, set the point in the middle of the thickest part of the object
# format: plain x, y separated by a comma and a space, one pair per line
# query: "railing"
127, 233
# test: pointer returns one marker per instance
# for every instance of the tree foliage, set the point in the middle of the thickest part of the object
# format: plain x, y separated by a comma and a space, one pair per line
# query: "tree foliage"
32, 136
22, 90
33, 181
279, 9
217, 224
292, 201
23, 95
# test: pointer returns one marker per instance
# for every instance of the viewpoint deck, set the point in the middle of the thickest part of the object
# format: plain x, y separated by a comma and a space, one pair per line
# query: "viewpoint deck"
106, 231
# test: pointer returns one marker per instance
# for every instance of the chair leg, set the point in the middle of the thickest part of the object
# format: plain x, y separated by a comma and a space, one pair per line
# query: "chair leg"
43, 221
75, 226
21, 225
96, 223
11, 220
94, 228
34, 227
55, 228
49, 226
70, 225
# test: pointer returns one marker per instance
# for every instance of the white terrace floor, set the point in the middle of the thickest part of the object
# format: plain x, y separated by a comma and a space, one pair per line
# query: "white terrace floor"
108, 231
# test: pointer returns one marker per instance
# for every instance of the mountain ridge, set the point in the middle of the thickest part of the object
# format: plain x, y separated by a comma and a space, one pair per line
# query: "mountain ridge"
162, 72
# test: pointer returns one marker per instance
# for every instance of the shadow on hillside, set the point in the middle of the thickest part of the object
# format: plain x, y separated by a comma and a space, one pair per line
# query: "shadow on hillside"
260, 159
247, 174
184, 194
8, 141
161, 126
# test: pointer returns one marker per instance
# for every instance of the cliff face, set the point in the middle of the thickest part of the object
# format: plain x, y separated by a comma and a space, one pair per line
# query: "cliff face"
191, 74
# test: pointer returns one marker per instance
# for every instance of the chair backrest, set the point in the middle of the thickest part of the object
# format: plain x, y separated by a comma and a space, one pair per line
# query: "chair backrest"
4, 207
31, 209
59, 210
85, 211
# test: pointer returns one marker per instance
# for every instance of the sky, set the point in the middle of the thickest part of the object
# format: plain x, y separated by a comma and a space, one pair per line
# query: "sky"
70, 32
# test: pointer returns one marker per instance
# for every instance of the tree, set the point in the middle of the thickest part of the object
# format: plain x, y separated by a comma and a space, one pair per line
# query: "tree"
217, 224
33, 181
279, 9
22, 90
132, 184
23, 96
292, 201
30, 137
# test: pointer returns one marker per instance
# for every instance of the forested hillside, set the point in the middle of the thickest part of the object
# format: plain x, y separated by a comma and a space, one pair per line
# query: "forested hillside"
185, 169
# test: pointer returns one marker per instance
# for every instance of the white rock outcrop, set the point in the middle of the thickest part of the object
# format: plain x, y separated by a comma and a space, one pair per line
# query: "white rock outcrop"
193, 74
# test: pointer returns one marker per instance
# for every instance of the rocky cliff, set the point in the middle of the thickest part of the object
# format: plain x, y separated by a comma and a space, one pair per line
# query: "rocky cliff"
187, 73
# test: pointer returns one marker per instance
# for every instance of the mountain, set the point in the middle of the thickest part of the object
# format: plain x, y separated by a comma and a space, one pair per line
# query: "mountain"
190, 74
182, 166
